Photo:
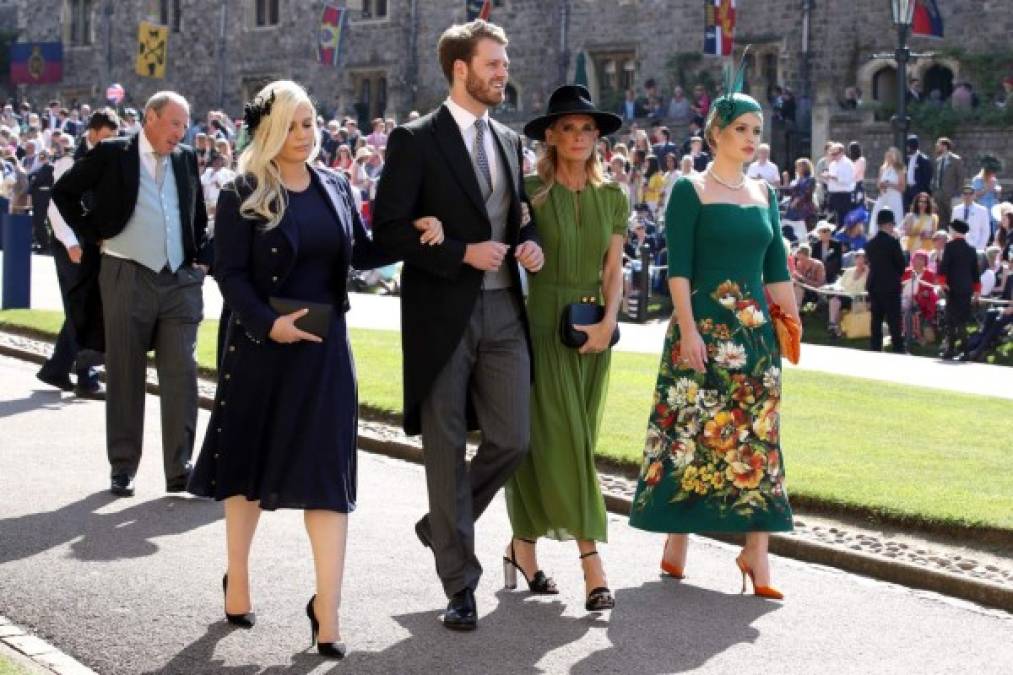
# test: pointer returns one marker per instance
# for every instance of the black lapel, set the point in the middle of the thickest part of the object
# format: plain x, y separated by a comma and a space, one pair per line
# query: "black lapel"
183, 188
131, 163
508, 152
451, 144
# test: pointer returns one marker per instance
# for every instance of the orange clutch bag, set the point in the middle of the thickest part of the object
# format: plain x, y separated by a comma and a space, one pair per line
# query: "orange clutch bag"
789, 333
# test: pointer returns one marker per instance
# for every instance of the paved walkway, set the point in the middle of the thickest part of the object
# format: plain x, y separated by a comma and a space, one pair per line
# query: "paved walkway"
384, 313
133, 585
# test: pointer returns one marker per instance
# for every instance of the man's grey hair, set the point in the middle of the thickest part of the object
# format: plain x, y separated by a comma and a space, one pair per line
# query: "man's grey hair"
160, 99
805, 248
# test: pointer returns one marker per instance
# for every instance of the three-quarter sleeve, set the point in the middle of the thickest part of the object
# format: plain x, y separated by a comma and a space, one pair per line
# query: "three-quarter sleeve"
775, 260
680, 228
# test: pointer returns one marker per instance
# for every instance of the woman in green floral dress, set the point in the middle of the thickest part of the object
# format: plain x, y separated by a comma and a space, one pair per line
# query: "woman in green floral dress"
712, 459
581, 220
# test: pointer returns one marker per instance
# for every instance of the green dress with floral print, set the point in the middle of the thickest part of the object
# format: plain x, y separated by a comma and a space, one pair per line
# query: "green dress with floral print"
712, 458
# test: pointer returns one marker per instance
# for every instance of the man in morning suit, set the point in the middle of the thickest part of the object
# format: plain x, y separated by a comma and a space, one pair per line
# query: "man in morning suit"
958, 275
919, 172
139, 198
67, 253
886, 267
464, 328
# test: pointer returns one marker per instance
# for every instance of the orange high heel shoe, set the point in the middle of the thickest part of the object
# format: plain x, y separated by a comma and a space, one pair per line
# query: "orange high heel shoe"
668, 568
762, 591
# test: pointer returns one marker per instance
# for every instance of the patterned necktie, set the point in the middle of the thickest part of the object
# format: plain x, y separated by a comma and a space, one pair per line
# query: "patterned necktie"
480, 157
159, 169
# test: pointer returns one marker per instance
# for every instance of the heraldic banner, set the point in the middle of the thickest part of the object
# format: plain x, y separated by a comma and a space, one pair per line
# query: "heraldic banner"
332, 29
36, 62
152, 47
719, 27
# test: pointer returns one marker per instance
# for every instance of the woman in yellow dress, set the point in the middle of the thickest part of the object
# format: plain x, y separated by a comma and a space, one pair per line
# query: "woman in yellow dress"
920, 224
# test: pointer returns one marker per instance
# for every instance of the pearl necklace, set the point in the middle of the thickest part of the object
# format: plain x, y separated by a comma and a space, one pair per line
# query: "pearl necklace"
722, 182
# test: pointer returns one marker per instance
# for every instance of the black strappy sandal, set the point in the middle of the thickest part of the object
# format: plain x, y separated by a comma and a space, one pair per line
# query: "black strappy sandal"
539, 584
600, 598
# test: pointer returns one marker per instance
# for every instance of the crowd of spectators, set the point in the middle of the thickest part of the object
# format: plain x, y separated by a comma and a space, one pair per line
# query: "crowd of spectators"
826, 216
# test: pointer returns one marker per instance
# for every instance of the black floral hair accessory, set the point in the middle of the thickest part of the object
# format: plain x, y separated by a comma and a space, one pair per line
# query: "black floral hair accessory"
255, 110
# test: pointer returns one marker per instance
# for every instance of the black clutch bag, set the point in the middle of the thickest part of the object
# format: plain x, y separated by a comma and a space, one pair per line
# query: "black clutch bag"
316, 321
581, 314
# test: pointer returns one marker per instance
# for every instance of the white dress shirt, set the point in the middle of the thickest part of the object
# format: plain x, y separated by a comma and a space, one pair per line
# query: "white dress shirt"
842, 175
976, 216
912, 164
766, 170
466, 123
61, 230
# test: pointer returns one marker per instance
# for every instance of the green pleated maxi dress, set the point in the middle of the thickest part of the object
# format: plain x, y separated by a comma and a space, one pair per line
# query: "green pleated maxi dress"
555, 492
712, 458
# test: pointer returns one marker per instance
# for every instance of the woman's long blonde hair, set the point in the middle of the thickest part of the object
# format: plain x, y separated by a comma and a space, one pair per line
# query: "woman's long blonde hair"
892, 158
268, 199
546, 170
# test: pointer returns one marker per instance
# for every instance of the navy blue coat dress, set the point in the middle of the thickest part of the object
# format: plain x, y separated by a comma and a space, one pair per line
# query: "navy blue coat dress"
283, 428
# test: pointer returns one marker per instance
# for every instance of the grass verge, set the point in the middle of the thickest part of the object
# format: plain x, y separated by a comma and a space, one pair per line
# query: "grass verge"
906, 454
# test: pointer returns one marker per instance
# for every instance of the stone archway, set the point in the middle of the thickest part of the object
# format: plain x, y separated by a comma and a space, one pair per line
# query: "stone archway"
884, 86
938, 77
878, 81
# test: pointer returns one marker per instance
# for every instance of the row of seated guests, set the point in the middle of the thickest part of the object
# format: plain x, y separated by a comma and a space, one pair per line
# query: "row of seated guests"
918, 292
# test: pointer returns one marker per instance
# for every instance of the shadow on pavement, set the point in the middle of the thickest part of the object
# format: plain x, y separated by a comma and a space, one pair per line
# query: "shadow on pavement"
512, 638
198, 657
669, 626
126, 533
50, 399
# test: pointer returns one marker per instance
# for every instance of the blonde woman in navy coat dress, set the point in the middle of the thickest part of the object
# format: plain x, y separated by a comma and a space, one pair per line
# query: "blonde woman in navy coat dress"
283, 430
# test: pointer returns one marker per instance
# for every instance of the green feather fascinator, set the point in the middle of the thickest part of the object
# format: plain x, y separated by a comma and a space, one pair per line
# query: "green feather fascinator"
733, 103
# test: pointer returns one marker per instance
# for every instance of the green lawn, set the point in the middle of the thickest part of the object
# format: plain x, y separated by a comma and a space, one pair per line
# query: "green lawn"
9, 667
898, 450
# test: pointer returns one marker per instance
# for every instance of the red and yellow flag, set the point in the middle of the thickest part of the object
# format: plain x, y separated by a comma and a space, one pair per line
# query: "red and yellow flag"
332, 29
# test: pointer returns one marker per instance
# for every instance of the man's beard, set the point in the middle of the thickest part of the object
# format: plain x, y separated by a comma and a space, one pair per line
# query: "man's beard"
483, 91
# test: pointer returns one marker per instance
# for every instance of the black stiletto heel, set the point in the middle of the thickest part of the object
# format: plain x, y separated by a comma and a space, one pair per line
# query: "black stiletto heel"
539, 584
599, 598
334, 650
247, 620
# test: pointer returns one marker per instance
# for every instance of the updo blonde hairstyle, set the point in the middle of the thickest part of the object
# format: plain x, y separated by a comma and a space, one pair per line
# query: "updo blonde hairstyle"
269, 199
546, 170
713, 127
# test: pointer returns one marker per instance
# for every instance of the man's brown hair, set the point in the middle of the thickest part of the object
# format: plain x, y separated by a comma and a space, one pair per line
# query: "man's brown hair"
458, 43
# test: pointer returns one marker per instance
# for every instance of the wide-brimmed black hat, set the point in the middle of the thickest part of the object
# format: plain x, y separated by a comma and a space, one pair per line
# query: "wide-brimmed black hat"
572, 99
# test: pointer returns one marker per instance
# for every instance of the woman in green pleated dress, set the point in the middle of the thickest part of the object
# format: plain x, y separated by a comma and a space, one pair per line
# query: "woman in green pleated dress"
712, 459
581, 220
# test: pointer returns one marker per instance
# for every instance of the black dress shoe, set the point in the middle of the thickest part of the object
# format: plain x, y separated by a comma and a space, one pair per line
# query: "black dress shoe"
179, 484
95, 391
461, 613
122, 485
63, 383
423, 533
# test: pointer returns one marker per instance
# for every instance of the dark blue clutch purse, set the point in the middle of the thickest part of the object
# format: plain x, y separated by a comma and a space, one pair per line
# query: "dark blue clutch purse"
581, 314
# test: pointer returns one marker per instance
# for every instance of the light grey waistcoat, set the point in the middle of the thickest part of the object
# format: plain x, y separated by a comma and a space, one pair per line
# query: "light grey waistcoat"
154, 234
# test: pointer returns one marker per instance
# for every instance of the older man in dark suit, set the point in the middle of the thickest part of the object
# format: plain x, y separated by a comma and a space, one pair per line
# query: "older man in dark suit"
464, 327
139, 198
